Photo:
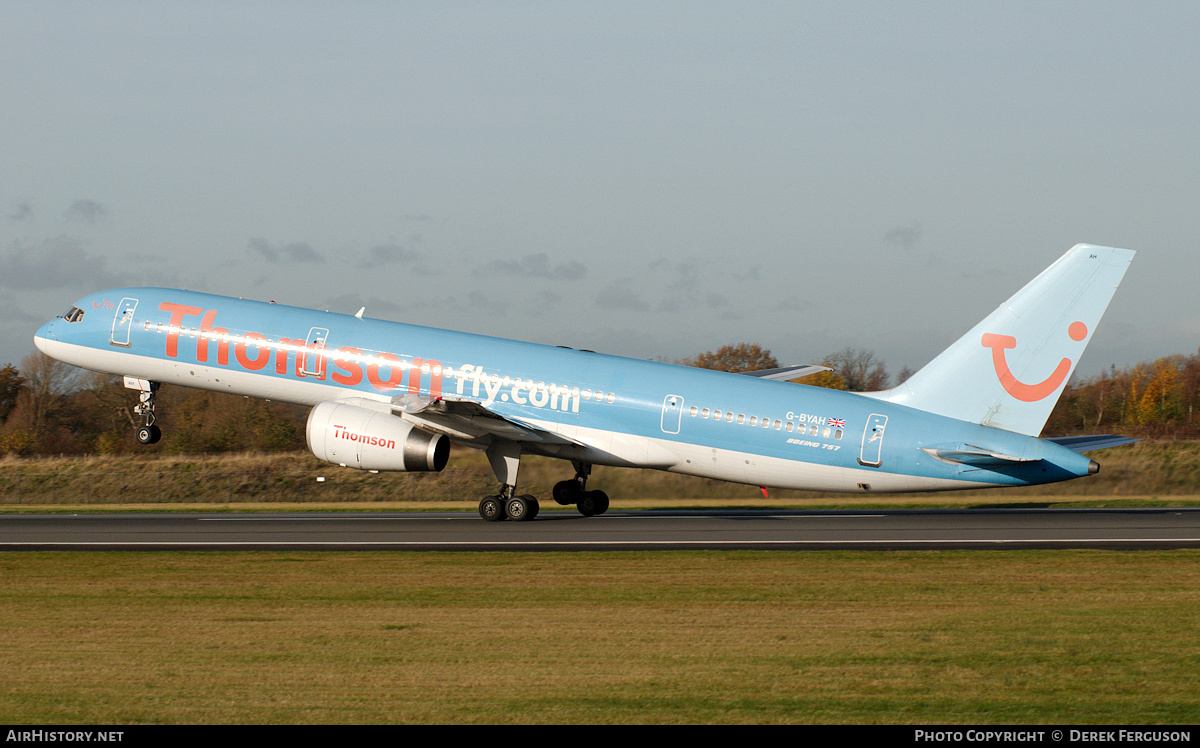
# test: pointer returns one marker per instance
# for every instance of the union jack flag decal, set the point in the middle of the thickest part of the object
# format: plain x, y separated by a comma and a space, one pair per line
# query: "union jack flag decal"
839, 422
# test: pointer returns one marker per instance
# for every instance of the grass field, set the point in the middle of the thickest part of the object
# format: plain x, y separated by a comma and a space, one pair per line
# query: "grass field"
744, 637
1159, 473
929, 637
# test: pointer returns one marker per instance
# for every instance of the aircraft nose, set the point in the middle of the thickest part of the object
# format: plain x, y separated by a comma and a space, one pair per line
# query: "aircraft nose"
46, 337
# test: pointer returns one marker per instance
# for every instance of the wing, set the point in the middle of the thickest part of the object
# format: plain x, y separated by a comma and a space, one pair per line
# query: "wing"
463, 421
787, 372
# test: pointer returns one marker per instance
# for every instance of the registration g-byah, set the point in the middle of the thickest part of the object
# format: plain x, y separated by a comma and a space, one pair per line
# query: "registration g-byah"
391, 396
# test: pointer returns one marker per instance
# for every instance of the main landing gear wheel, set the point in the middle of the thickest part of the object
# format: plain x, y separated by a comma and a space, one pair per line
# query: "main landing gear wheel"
567, 492
491, 508
592, 503
521, 508
517, 508
574, 491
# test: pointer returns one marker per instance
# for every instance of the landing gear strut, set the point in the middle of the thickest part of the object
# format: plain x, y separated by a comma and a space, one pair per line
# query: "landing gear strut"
574, 491
147, 433
505, 458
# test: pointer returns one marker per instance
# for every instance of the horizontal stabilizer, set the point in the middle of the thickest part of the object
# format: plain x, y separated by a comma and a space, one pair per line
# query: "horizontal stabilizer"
787, 372
974, 456
1083, 444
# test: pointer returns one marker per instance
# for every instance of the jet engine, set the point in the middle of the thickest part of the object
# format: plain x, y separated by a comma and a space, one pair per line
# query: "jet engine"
351, 436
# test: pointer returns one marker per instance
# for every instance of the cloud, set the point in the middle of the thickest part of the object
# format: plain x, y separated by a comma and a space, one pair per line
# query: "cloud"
619, 296
905, 237
22, 212
534, 266
293, 252
684, 276
87, 211
547, 298
480, 303
708, 300
13, 314
412, 260
383, 254
55, 263
684, 290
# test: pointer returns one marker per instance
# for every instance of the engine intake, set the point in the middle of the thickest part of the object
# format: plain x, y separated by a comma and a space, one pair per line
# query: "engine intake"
356, 437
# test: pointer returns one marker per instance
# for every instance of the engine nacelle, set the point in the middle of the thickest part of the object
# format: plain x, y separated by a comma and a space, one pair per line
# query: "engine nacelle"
371, 440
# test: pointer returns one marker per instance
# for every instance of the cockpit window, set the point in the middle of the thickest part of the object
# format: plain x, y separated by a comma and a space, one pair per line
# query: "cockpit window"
74, 314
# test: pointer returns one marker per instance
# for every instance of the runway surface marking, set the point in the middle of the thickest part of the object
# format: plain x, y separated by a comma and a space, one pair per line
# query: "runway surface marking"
469, 543
473, 518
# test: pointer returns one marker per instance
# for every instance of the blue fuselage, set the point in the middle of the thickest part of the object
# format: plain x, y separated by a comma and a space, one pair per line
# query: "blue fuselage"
606, 409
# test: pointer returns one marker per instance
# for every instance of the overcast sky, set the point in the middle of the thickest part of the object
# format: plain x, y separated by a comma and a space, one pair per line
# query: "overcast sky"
646, 179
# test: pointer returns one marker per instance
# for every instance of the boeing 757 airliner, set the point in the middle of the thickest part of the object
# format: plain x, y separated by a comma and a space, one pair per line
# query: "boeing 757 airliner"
392, 396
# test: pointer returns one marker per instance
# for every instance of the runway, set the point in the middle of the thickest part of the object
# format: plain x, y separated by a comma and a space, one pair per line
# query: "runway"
1149, 528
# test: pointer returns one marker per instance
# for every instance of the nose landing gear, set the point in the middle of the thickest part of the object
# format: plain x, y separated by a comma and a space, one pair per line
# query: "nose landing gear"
147, 433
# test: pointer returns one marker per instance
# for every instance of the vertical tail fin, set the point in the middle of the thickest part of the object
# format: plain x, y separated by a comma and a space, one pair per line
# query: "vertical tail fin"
1009, 370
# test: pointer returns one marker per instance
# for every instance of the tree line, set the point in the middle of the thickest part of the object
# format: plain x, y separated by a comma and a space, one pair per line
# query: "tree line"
1159, 398
48, 407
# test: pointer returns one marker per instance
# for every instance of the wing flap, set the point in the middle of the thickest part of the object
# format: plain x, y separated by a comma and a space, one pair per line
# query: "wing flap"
468, 421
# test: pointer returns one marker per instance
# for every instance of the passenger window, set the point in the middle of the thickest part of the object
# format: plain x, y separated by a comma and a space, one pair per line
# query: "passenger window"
788, 427
777, 425
694, 411
741, 417
753, 420
825, 432
837, 434
812, 430
704, 413
729, 416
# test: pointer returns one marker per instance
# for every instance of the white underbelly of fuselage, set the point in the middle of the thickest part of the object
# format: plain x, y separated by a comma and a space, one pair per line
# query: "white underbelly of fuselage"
596, 446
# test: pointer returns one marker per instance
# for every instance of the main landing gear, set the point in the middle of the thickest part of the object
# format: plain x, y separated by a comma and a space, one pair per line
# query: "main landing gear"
147, 433
510, 506
574, 491
505, 458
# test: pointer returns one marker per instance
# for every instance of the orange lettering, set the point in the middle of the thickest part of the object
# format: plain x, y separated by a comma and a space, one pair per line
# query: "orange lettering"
355, 374
395, 372
178, 312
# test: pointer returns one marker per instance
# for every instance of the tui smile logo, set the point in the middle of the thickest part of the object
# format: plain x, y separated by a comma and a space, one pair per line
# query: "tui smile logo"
1029, 392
